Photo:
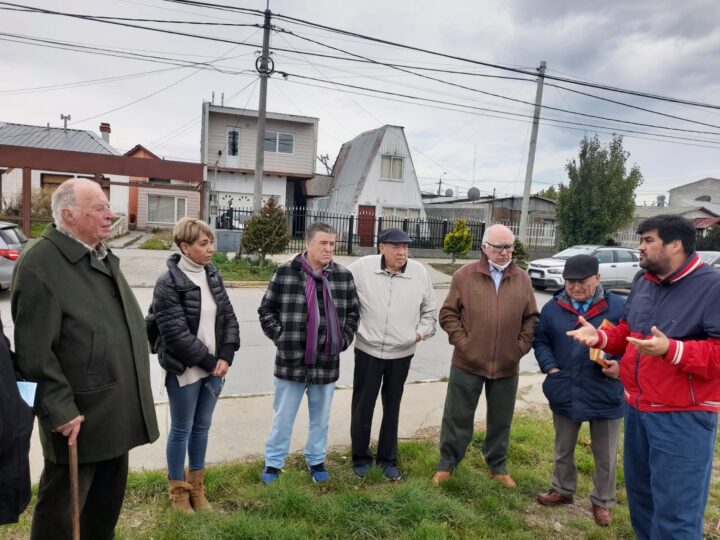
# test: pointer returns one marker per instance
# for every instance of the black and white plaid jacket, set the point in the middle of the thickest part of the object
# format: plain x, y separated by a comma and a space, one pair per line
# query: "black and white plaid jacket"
283, 317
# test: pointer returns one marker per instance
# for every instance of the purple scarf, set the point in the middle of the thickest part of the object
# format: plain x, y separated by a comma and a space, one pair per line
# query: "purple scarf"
333, 343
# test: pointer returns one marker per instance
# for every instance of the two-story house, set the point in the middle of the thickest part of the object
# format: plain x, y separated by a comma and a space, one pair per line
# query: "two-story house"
228, 149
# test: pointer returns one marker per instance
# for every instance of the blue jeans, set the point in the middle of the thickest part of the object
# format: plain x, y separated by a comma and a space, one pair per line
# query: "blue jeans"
288, 395
668, 463
191, 409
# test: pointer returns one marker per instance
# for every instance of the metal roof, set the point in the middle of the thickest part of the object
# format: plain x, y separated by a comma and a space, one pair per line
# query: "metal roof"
351, 168
76, 140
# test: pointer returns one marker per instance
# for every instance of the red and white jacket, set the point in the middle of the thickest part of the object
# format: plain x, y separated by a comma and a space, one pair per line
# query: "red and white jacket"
685, 307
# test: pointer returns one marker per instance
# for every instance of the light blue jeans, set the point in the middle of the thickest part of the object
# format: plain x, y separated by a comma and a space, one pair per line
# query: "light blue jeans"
288, 395
191, 409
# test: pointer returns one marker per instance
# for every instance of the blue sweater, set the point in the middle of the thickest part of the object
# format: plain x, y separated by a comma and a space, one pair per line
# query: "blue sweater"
579, 390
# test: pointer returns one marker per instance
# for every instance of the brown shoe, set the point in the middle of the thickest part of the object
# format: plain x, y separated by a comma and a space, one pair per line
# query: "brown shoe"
179, 491
603, 516
197, 494
553, 498
505, 479
440, 476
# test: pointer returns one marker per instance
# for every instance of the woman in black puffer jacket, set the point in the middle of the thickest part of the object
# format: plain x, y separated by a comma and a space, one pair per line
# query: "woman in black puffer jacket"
193, 329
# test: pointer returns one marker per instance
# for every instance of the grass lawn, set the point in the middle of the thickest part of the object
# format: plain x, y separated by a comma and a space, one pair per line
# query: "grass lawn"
242, 269
159, 240
470, 505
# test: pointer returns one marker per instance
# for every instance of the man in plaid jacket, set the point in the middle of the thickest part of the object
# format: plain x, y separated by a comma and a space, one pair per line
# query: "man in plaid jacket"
310, 311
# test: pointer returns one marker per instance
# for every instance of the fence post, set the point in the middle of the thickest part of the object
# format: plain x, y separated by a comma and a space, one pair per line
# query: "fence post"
405, 225
444, 233
379, 228
351, 223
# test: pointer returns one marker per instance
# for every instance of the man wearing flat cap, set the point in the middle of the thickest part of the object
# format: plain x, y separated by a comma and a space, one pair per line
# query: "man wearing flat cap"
397, 310
490, 316
578, 389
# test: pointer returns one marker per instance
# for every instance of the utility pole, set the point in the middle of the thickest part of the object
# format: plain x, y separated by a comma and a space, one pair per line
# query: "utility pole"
531, 154
440, 183
265, 67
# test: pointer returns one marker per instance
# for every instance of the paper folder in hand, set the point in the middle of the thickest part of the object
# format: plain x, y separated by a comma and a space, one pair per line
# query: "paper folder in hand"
597, 355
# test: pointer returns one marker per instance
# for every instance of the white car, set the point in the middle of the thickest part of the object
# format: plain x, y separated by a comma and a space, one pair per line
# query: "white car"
618, 266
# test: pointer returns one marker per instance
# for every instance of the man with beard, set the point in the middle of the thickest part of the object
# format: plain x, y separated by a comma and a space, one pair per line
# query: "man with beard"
669, 339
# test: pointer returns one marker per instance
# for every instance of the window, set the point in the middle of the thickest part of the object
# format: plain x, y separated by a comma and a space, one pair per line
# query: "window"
233, 141
392, 168
166, 209
278, 142
604, 256
624, 256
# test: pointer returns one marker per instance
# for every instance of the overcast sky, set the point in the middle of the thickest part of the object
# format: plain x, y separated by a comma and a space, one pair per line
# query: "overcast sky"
660, 47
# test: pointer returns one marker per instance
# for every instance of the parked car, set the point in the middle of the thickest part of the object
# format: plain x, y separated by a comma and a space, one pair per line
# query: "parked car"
12, 242
710, 257
618, 266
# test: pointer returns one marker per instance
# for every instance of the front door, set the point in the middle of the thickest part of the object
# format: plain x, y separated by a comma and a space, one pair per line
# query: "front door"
366, 225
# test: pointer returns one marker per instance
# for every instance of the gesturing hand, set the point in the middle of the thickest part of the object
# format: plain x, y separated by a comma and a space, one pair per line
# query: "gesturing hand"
655, 346
586, 335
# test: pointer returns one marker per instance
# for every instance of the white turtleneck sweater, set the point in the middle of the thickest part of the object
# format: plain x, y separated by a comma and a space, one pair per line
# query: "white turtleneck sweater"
208, 313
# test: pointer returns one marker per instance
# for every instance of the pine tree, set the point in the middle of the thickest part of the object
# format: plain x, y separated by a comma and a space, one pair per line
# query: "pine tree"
458, 241
266, 233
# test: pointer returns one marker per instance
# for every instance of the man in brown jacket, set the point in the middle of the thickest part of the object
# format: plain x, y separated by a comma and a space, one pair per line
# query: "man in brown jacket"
490, 316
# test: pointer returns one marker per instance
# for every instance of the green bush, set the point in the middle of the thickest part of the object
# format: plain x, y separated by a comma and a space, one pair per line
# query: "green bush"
266, 233
458, 241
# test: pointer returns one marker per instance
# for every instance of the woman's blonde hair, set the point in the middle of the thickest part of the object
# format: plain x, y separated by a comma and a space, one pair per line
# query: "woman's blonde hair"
189, 229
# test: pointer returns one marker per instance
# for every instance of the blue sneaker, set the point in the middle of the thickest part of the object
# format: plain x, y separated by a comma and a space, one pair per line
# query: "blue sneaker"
269, 475
319, 473
392, 473
361, 470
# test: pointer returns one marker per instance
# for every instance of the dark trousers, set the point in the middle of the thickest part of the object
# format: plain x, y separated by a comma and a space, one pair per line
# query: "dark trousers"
370, 374
102, 490
463, 394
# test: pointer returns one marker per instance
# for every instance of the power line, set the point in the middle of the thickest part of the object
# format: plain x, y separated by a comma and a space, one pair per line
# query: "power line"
431, 100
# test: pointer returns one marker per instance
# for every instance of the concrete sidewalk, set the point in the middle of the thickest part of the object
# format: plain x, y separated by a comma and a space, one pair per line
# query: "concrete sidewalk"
241, 424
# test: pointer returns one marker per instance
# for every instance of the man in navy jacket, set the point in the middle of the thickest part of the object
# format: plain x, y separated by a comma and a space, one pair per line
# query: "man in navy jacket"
578, 389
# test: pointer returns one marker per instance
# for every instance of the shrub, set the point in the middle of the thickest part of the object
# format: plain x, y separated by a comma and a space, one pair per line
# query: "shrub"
520, 254
458, 241
266, 233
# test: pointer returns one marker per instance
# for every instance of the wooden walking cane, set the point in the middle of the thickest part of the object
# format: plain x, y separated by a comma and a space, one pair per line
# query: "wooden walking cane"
74, 491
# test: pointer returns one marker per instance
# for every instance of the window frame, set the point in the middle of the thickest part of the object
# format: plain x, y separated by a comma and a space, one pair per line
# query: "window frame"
175, 208
277, 150
392, 159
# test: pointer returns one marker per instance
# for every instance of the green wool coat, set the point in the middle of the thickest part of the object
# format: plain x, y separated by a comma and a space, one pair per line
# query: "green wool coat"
80, 334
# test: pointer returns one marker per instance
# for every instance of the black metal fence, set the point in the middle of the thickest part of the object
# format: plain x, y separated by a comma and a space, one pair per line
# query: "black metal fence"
355, 231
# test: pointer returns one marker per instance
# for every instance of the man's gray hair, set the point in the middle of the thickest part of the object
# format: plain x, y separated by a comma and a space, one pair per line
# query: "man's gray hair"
318, 226
487, 232
64, 197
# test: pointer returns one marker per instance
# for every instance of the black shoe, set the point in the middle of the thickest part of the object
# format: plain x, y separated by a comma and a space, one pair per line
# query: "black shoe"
361, 470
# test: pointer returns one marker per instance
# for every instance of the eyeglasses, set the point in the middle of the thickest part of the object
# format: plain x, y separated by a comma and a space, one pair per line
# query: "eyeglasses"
502, 247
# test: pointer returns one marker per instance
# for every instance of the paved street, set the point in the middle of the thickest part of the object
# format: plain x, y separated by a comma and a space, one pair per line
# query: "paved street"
252, 371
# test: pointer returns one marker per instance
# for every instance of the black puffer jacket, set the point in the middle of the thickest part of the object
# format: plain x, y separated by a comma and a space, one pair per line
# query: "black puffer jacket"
174, 319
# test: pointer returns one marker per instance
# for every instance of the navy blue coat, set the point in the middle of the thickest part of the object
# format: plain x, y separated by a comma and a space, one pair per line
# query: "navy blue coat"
579, 390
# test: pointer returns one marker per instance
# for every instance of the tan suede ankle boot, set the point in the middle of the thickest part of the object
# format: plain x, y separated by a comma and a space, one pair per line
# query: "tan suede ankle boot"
197, 494
180, 495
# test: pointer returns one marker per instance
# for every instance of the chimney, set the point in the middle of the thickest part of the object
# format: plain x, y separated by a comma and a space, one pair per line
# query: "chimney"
105, 132
661, 201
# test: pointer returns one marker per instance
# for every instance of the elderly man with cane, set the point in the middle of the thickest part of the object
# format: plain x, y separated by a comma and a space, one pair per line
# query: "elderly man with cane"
80, 334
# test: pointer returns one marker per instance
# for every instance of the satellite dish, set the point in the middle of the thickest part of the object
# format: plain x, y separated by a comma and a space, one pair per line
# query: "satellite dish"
473, 194
448, 192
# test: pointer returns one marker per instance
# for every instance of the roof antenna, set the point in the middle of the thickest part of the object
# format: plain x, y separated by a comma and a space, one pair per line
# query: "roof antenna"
65, 117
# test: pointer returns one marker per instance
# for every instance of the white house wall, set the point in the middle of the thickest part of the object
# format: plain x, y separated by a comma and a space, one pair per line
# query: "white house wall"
301, 161
240, 187
403, 193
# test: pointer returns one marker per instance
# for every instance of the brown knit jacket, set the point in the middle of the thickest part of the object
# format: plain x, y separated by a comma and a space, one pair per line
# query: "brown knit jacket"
490, 330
